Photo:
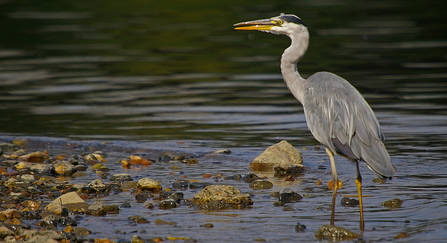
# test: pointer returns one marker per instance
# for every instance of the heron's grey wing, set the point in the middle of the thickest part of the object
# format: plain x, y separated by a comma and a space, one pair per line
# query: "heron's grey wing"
340, 118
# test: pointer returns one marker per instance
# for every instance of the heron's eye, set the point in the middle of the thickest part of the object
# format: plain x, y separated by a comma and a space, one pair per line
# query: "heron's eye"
279, 22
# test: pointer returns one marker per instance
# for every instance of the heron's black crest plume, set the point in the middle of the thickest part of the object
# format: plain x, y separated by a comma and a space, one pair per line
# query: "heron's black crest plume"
292, 19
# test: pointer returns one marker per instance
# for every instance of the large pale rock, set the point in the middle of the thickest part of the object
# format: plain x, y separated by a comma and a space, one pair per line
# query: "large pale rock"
279, 157
69, 200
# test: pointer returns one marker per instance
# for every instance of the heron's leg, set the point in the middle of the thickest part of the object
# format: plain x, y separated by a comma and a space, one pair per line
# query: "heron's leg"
334, 183
358, 182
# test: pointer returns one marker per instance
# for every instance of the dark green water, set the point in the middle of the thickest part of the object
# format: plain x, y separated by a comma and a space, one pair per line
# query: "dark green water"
154, 73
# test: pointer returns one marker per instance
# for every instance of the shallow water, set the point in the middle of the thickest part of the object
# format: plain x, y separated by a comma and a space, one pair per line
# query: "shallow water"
177, 77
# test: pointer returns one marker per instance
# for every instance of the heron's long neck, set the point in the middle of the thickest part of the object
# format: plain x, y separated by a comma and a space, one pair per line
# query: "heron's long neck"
289, 61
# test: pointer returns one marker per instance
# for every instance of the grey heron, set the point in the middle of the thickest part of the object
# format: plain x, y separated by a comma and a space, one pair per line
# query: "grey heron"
336, 113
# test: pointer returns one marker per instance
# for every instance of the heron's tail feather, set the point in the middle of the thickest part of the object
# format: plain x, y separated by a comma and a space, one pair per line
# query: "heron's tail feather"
375, 156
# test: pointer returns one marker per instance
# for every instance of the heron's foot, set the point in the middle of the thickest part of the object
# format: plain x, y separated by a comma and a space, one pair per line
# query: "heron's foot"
335, 234
331, 184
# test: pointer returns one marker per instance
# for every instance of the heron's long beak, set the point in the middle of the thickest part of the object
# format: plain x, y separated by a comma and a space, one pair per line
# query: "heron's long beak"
262, 24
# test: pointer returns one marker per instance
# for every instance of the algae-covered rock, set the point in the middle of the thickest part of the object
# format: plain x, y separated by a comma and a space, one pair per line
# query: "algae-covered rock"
335, 233
148, 184
218, 197
281, 157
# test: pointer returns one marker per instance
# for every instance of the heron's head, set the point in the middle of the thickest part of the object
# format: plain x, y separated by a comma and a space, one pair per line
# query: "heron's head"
284, 24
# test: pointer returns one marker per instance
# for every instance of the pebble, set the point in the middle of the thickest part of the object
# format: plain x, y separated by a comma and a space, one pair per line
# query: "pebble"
125, 205
300, 227
222, 151
147, 183
207, 225
16, 195
79, 231
97, 156
22, 166
100, 167
41, 169
236, 177
168, 204
111, 209
349, 202
96, 209
162, 222
250, 177
137, 239
35, 157
32, 205
286, 195
9, 214
190, 161
97, 186
261, 184
181, 184
199, 185
121, 177
393, 203
61, 167
128, 185
138, 219
141, 197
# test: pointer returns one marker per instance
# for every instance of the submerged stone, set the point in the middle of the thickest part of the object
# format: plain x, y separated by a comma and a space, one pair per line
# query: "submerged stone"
393, 203
335, 233
222, 151
162, 222
80, 231
349, 202
168, 204
286, 195
181, 184
260, 184
250, 177
138, 219
236, 177
207, 225
121, 177
198, 185
300, 227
